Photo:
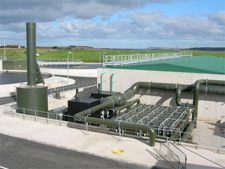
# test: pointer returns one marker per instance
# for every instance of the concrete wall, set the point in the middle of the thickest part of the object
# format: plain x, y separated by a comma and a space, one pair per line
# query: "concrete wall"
0, 65
211, 107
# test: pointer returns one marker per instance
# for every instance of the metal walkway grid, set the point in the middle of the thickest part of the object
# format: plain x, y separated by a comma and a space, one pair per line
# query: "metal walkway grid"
164, 119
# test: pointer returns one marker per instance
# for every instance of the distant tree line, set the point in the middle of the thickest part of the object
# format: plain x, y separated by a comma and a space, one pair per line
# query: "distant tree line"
221, 49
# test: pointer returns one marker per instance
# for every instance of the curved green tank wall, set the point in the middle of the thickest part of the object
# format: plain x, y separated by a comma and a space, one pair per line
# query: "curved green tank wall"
32, 98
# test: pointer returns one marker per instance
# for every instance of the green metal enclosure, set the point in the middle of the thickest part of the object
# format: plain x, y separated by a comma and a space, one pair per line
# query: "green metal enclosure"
34, 99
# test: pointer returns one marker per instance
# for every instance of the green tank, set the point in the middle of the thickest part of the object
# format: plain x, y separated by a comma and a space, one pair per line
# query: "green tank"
32, 98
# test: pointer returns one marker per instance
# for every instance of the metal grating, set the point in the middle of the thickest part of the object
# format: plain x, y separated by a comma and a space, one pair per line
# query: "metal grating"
164, 119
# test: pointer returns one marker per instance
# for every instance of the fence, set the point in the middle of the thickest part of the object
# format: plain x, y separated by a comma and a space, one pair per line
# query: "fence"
59, 62
2, 58
72, 87
198, 141
115, 60
182, 156
173, 158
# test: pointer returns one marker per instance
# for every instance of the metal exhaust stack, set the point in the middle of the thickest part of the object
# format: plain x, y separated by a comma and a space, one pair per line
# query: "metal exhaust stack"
31, 53
32, 96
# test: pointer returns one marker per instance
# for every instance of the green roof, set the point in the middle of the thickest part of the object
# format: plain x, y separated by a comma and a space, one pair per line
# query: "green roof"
197, 64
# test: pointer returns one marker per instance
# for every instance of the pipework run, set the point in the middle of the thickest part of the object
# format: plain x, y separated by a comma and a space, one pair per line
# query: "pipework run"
119, 102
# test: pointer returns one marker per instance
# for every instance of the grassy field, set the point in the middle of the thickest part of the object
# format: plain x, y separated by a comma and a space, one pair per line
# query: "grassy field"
12, 54
88, 55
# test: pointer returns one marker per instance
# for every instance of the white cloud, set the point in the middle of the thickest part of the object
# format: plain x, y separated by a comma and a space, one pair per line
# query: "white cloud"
65, 22
143, 25
219, 18
157, 23
14, 11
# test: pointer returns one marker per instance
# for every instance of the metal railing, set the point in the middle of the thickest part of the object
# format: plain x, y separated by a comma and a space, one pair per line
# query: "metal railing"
170, 156
62, 89
2, 58
198, 141
72, 87
115, 60
182, 156
202, 141
55, 80
59, 62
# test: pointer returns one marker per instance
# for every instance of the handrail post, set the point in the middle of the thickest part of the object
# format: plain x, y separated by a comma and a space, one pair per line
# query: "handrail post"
47, 117
35, 115
119, 134
23, 113
113, 82
86, 125
103, 80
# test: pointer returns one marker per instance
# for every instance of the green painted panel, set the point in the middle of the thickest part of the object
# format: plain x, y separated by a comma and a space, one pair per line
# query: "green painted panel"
14, 65
198, 64
32, 98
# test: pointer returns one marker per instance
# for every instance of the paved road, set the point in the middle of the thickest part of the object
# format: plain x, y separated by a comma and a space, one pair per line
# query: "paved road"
80, 81
5, 100
16, 153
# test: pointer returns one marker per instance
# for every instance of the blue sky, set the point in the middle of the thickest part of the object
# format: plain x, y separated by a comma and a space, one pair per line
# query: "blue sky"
116, 23
188, 8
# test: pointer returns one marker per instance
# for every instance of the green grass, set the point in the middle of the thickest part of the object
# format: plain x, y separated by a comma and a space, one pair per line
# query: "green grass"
12, 54
202, 53
88, 55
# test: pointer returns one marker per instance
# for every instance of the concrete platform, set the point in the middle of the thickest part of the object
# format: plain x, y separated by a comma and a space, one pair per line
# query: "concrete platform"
135, 150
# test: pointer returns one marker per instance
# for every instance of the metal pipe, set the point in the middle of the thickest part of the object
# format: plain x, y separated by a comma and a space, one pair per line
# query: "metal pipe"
120, 100
110, 102
127, 106
31, 53
188, 131
198, 83
83, 116
39, 78
210, 89
181, 127
178, 96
